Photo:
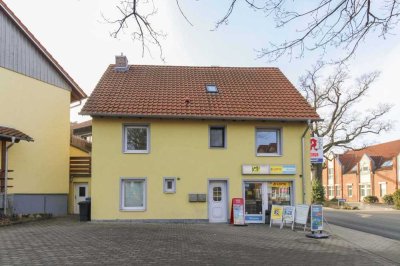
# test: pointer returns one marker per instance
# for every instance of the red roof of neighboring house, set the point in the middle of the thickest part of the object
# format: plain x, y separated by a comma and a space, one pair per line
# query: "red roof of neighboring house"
379, 153
244, 93
8, 133
87, 123
77, 93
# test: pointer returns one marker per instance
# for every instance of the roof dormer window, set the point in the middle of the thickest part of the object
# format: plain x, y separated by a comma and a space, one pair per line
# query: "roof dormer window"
212, 88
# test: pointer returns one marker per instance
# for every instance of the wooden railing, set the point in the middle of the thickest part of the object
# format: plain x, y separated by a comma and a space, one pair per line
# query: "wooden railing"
80, 166
81, 143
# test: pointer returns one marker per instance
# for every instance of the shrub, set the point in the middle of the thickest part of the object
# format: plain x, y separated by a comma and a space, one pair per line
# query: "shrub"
371, 199
388, 199
334, 200
318, 192
396, 199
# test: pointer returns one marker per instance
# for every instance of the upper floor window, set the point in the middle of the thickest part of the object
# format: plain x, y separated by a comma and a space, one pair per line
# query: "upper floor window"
268, 142
217, 137
212, 88
365, 168
136, 139
330, 173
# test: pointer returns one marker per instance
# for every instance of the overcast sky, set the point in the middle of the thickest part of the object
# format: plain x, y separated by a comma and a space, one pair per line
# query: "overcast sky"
75, 33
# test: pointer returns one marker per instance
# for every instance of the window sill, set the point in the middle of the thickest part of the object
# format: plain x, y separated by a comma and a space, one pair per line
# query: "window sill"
132, 210
268, 155
136, 152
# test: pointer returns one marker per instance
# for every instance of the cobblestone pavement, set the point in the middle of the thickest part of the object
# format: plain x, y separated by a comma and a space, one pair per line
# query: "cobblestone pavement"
65, 241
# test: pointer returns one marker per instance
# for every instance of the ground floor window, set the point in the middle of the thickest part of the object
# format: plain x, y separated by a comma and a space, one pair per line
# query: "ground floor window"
338, 191
133, 194
365, 190
330, 191
279, 193
350, 190
382, 189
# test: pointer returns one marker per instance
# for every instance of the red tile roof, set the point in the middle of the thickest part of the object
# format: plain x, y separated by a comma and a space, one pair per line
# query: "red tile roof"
77, 93
7, 133
244, 93
84, 124
378, 153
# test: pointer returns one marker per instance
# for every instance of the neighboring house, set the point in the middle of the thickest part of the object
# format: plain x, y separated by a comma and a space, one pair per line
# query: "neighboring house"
179, 142
374, 170
82, 130
36, 93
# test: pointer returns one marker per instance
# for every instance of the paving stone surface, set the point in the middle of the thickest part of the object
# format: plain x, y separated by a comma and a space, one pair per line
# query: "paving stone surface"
65, 241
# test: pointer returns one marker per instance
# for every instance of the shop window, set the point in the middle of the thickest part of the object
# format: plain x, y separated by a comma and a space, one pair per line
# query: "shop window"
133, 194
136, 139
350, 190
268, 142
217, 137
169, 184
279, 193
217, 194
382, 189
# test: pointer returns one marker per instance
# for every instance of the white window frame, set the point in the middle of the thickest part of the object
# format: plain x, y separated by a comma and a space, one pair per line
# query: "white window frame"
331, 191
380, 189
125, 134
350, 195
122, 191
279, 142
209, 136
338, 188
331, 173
165, 187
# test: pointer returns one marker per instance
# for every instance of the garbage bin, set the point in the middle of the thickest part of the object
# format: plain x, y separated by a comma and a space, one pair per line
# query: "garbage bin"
84, 210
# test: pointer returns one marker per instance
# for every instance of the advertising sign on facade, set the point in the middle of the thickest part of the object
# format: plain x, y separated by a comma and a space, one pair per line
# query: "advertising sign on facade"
276, 214
266, 169
301, 214
280, 184
238, 211
317, 218
316, 150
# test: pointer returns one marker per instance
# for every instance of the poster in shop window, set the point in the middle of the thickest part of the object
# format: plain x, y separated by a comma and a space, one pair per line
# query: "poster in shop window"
317, 218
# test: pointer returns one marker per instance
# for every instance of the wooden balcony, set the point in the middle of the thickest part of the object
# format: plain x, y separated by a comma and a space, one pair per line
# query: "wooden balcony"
80, 166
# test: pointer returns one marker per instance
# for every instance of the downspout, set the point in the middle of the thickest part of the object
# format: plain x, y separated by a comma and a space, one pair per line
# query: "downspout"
303, 184
6, 175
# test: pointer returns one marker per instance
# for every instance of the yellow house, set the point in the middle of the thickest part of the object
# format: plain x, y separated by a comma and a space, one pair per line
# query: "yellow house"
179, 143
35, 94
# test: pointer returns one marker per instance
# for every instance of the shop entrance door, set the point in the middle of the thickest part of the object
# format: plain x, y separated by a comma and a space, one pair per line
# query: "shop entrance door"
256, 201
217, 202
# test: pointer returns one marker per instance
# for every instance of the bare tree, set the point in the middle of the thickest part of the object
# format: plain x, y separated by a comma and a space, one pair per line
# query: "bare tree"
337, 102
320, 24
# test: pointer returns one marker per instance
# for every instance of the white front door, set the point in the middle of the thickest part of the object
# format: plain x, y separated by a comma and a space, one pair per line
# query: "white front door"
217, 202
81, 193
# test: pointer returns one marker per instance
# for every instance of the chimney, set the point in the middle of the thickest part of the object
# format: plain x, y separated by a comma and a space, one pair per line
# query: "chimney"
121, 63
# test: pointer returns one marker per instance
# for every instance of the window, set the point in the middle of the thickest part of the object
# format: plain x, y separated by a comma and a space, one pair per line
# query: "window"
330, 174
350, 190
388, 163
365, 168
330, 191
217, 137
268, 142
169, 184
382, 189
133, 194
338, 191
217, 194
211, 88
136, 139
365, 190
82, 191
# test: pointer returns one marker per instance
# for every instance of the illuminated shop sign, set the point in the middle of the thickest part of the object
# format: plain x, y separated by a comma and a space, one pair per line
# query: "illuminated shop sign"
269, 169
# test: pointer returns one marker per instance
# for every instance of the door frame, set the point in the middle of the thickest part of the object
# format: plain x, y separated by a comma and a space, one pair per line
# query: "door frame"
226, 181
76, 184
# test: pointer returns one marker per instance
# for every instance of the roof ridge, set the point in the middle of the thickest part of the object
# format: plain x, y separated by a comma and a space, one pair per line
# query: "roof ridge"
191, 66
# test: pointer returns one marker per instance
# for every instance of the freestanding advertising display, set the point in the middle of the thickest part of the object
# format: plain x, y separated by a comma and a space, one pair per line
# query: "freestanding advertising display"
317, 218
237, 211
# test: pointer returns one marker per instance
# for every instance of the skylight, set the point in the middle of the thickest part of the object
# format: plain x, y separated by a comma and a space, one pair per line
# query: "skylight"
211, 88
387, 163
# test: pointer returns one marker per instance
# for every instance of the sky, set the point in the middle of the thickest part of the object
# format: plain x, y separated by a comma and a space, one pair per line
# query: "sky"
78, 37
